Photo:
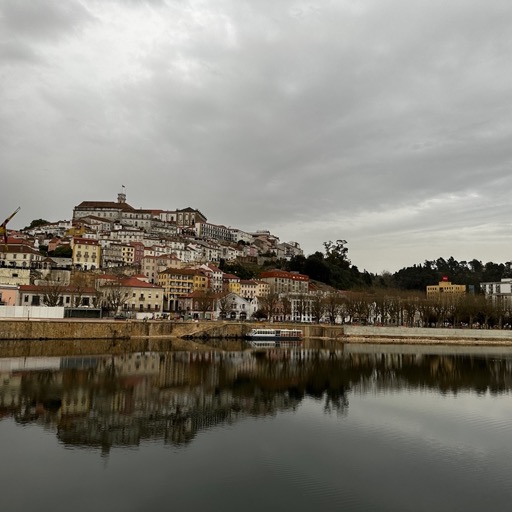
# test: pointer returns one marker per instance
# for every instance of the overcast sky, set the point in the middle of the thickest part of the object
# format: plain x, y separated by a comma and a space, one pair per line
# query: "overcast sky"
384, 123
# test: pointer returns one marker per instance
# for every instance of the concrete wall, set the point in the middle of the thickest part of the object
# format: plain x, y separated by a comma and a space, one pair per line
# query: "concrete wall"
27, 312
413, 332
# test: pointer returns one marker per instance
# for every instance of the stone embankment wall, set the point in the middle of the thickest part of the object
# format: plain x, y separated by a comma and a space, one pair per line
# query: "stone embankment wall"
74, 329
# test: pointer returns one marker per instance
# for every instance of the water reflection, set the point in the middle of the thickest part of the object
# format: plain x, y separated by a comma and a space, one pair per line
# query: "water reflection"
119, 401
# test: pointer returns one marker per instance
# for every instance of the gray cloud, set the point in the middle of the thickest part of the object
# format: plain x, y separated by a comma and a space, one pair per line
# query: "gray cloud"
47, 20
386, 124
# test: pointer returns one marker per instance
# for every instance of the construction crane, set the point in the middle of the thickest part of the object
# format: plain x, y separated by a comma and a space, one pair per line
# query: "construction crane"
3, 226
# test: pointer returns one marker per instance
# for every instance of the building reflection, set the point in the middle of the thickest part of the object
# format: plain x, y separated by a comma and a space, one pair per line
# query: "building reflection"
121, 401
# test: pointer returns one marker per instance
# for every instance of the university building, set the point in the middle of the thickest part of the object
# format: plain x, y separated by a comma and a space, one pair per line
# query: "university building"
445, 287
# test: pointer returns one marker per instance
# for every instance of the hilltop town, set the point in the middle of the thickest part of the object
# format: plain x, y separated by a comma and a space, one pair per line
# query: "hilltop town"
112, 259
149, 263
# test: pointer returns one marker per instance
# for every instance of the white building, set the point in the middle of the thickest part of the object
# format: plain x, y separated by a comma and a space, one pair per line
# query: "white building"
501, 289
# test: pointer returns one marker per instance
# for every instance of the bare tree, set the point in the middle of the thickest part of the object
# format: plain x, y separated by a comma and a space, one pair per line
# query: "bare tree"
410, 308
114, 296
286, 307
53, 294
79, 284
96, 300
361, 306
204, 301
332, 303
223, 305
317, 306
269, 303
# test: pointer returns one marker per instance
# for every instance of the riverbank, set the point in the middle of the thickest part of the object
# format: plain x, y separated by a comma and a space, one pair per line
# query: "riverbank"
426, 336
125, 334
81, 329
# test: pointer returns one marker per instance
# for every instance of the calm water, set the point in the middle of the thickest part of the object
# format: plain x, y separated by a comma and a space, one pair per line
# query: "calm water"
363, 428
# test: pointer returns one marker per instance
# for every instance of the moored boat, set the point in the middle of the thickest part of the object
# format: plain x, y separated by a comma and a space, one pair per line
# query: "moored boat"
275, 337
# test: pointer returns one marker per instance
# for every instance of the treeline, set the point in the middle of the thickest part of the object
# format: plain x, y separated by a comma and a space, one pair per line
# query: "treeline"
333, 268
413, 309
469, 273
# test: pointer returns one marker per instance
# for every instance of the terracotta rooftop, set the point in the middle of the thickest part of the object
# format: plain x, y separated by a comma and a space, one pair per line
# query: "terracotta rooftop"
105, 204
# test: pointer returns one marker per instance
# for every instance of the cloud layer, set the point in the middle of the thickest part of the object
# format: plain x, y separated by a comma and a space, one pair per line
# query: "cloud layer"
383, 123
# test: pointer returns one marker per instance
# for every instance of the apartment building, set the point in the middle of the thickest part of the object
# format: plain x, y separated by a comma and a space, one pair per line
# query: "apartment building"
86, 253
150, 266
248, 288
19, 255
214, 275
281, 281
178, 283
210, 231
131, 294
231, 283
501, 290
57, 295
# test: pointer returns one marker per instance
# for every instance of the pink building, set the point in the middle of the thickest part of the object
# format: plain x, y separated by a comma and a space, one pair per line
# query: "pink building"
9, 294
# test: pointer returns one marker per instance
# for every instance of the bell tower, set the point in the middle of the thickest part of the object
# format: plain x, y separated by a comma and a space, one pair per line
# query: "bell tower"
121, 197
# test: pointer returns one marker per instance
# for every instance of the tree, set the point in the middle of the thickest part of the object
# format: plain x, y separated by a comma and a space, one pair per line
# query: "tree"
79, 284
62, 251
53, 294
223, 305
204, 301
296, 264
269, 303
316, 268
115, 296
259, 314
337, 254
36, 223
317, 306
286, 307
332, 304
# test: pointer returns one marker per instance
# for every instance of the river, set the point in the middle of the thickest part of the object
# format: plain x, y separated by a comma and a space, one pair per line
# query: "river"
358, 428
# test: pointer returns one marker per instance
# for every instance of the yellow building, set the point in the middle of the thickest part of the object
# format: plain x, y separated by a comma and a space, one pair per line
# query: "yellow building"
248, 288
231, 283
180, 282
262, 289
128, 254
445, 287
86, 253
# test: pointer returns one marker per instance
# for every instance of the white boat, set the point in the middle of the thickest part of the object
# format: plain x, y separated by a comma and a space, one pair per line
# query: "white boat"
275, 338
